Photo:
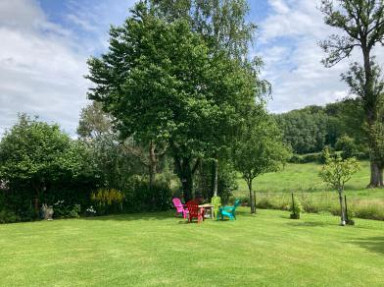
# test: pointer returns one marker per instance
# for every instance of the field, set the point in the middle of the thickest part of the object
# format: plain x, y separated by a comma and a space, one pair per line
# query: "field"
157, 249
274, 191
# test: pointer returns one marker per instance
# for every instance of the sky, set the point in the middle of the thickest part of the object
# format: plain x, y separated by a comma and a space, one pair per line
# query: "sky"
46, 43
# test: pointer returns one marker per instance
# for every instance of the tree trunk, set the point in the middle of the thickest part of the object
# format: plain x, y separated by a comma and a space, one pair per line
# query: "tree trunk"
342, 208
215, 176
152, 164
185, 173
37, 202
376, 175
251, 199
254, 200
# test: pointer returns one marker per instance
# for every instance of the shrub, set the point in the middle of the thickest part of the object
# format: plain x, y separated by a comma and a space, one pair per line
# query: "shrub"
61, 210
295, 208
347, 146
139, 197
7, 216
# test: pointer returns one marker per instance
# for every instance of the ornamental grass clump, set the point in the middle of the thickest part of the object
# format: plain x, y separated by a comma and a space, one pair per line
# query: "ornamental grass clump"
107, 200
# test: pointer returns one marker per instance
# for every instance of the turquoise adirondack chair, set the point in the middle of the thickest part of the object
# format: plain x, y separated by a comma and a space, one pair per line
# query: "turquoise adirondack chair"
229, 211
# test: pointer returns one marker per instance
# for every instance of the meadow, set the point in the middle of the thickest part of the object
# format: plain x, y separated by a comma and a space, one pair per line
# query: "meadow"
273, 191
157, 249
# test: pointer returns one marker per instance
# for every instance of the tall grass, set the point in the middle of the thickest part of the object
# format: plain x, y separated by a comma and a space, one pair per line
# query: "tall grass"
273, 192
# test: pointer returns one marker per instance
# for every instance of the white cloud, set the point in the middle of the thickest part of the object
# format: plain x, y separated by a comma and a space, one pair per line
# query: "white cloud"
289, 39
42, 64
39, 73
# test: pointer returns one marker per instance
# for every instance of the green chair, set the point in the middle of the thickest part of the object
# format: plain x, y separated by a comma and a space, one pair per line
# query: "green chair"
216, 202
229, 211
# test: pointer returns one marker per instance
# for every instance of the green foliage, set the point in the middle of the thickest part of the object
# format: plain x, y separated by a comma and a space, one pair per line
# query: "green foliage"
139, 197
63, 209
39, 163
306, 158
222, 23
305, 130
176, 86
347, 146
295, 208
337, 172
259, 150
7, 216
310, 129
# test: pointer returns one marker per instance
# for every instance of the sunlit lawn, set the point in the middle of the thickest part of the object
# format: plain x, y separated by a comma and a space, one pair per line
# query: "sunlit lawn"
160, 250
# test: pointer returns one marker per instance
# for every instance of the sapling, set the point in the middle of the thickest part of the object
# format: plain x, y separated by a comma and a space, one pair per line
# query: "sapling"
336, 172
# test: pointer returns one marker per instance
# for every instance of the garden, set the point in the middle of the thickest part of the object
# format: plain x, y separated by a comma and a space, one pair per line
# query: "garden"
179, 175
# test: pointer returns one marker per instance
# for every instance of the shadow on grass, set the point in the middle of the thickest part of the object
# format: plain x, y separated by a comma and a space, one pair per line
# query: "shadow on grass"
295, 222
135, 216
374, 244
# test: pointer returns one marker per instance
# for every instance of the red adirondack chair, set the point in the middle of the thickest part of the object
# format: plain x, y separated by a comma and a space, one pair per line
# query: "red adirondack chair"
194, 211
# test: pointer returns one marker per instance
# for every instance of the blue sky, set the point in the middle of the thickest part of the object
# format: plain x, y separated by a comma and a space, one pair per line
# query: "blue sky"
46, 44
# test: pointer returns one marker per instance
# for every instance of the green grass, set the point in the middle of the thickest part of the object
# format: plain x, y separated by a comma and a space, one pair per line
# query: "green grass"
304, 177
273, 191
159, 250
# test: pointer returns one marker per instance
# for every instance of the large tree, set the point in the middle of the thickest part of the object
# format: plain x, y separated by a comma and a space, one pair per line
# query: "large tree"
222, 24
162, 82
362, 22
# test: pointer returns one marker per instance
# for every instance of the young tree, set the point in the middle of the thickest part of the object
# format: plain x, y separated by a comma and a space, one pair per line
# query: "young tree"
259, 150
161, 82
363, 24
337, 172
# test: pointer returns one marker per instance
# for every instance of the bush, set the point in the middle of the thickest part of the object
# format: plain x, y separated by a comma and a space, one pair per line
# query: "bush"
61, 210
7, 216
306, 158
347, 146
139, 197
295, 208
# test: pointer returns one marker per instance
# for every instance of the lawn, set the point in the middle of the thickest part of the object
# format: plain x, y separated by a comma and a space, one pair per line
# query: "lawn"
273, 191
157, 249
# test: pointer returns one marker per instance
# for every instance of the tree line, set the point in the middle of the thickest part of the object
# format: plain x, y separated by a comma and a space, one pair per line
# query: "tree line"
336, 125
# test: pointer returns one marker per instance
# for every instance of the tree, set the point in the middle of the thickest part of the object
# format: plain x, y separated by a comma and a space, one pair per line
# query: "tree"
222, 23
259, 150
37, 156
114, 160
337, 172
161, 82
362, 21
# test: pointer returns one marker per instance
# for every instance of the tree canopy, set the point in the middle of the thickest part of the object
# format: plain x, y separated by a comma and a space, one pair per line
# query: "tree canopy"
161, 81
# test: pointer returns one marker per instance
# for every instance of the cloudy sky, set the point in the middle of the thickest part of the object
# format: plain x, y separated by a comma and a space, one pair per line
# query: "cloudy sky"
45, 44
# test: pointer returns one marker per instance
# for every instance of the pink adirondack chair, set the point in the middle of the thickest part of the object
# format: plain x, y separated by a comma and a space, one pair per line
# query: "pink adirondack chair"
180, 207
